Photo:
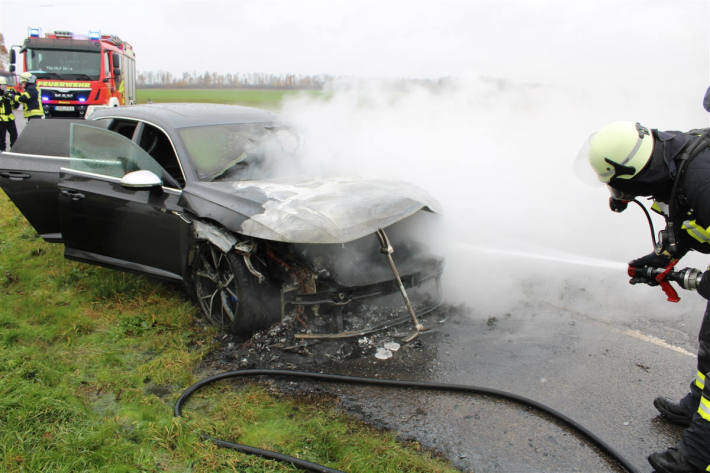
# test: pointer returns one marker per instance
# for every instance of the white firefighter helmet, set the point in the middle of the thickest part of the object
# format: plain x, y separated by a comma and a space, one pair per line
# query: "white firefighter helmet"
27, 77
3, 80
619, 150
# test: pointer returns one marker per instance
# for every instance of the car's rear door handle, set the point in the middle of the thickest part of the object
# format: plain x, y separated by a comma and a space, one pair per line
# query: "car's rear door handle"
15, 175
73, 195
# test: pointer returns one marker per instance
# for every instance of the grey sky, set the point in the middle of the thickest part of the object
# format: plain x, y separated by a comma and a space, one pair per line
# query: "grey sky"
542, 40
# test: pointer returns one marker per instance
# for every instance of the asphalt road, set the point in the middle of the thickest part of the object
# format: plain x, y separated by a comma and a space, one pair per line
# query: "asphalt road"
596, 357
601, 373
577, 339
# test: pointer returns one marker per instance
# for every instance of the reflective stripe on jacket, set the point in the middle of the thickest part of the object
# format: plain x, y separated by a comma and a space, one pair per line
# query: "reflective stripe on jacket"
6, 105
696, 231
692, 228
31, 101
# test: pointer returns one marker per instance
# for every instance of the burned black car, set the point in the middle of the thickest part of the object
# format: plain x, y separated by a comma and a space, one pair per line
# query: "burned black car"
186, 193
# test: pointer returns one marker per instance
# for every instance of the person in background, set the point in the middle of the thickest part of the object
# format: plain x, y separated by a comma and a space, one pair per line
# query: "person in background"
7, 118
30, 97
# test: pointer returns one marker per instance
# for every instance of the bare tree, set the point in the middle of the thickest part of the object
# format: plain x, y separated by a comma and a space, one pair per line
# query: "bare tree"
214, 80
4, 56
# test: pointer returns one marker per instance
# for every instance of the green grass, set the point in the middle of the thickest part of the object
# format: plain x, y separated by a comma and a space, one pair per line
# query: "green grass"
92, 361
250, 97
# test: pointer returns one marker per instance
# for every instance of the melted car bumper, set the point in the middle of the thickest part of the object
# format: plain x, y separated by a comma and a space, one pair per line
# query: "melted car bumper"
344, 295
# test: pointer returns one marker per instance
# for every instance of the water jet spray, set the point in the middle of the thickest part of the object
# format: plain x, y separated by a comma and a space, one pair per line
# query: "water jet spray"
572, 259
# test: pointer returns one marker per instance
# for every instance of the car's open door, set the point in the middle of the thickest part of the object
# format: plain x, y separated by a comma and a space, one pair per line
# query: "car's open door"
30, 171
107, 217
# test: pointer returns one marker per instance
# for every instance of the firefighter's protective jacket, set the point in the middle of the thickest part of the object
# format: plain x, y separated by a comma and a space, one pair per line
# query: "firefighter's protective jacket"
31, 101
692, 211
694, 201
6, 105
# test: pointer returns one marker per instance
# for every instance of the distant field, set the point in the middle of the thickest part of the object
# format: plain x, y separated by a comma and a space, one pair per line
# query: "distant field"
265, 98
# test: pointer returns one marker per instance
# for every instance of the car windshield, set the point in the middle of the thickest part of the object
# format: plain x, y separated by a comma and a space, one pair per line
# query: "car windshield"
64, 64
238, 151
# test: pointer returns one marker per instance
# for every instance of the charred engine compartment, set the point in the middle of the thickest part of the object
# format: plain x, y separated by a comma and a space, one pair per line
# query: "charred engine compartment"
328, 281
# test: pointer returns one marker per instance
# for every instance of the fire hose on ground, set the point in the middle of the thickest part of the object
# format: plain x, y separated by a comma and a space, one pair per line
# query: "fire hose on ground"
432, 386
687, 278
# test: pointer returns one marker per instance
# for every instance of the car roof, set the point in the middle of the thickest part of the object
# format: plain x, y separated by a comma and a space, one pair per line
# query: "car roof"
183, 115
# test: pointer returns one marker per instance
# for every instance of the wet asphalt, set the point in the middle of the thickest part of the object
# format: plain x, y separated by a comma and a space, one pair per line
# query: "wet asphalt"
599, 369
602, 374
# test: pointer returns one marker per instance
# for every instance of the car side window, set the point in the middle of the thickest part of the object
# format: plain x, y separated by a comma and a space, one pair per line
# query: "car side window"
158, 146
124, 127
108, 153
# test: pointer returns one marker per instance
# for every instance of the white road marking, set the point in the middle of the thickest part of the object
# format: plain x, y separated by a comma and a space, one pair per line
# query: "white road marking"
656, 341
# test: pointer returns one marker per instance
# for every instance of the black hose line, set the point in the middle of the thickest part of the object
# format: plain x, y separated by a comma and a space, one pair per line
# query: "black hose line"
650, 222
177, 411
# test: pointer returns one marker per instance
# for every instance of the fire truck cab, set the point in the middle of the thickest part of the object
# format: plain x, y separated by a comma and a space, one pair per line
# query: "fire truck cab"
75, 71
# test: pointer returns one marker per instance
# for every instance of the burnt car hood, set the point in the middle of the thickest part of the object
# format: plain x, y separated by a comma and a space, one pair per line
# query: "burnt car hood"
330, 210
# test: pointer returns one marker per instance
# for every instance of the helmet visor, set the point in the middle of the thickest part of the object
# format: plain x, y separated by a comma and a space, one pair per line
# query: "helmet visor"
582, 168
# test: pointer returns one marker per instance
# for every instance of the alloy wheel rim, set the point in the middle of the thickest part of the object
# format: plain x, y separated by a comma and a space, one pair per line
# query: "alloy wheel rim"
216, 286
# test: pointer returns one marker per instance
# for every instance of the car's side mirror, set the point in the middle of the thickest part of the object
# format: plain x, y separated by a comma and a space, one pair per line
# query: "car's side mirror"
142, 179
706, 100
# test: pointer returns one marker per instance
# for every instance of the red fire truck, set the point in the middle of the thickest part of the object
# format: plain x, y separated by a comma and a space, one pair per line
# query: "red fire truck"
75, 71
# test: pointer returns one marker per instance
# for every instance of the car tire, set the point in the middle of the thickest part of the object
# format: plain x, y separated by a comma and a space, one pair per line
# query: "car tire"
228, 295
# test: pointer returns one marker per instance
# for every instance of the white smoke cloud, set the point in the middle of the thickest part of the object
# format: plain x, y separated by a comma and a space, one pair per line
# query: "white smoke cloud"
498, 154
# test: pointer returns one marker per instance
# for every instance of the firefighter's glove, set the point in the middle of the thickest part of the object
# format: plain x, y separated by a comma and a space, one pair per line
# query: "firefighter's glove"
704, 285
651, 259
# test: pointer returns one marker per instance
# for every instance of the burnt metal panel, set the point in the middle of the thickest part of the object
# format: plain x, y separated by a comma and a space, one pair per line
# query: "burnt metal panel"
329, 210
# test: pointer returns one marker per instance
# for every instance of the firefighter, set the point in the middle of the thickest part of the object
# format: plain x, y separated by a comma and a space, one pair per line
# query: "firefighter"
7, 118
674, 169
30, 98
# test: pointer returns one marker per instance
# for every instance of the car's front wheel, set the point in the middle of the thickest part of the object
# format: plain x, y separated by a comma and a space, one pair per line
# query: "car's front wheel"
228, 295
